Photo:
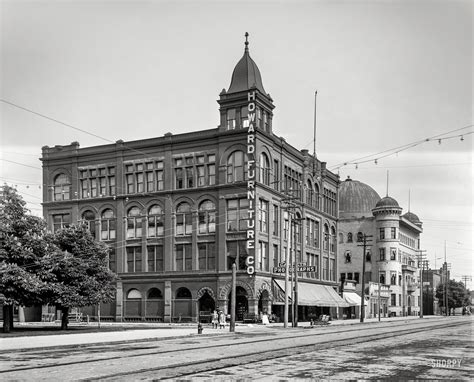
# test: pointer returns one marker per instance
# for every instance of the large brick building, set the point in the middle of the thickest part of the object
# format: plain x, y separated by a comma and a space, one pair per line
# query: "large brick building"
178, 210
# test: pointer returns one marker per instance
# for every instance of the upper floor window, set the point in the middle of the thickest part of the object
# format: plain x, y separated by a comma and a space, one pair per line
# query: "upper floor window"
265, 121
329, 199
264, 173
382, 233
244, 117
155, 221
360, 237
259, 118
393, 233
61, 221
263, 215
312, 232
332, 247
231, 119
276, 175
381, 254
184, 225
108, 225
309, 193
236, 169
207, 217
207, 256
134, 223
144, 176
88, 218
237, 214
393, 254
326, 237
349, 237
62, 187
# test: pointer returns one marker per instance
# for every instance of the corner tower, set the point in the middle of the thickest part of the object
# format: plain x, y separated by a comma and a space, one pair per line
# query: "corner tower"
233, 103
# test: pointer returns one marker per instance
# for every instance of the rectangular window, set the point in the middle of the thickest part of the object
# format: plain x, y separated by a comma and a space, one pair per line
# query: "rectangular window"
207, 256
356, 277
382, 254
211, 173
155, 225
393, 299
276, 256
155, 258
393, 233
325, 268
382, 233
150, 182
189, 177
94, 187
393, 254
262, 256
237, 214
183, 257
140, 182
276, 221
85, 188
276, 175
179, 178
200, 176
61, 221
317, 265
112, 260
332, 269
160, 185
231, 119
130, 184
103, 186
112, 185
237, 253
244, 117
184, 223
393, 278
399, 300
263, 215
134, 259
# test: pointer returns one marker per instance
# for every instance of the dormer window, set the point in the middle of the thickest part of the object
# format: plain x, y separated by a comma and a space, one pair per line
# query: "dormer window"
231, 119
244, 117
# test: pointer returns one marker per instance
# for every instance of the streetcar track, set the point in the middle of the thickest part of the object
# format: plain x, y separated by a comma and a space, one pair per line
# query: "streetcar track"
262, 355
418, 327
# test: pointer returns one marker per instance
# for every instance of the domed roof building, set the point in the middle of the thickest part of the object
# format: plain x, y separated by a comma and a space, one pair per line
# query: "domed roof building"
356, 199
392, 246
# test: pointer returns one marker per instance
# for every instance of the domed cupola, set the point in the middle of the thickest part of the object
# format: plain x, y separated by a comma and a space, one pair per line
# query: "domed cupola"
356, 199
411, 217
246, 74
387, 205
246, 87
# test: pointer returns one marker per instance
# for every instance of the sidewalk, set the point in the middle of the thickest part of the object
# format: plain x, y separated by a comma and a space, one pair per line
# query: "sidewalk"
162, 331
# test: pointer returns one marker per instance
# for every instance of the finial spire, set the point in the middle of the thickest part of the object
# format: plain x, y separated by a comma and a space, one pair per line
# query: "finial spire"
246, 42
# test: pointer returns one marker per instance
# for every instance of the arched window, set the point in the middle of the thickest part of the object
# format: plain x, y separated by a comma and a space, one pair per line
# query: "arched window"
183, 293
332, 247
360, 237
134, 294
62, 187
207, 217
264, 173
347, 257
316, 196
88, 218
326, 237
349, 237
368, 257
236, 168
154, 294
134, 223
309, 193
107, 225
155, 221
184, 225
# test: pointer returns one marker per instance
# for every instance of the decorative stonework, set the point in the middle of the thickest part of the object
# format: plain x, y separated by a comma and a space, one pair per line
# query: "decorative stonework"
203, 290
224, 293
265, 287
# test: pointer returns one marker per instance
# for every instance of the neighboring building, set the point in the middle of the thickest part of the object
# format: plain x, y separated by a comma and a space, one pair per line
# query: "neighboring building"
178, 210
431, 279
391, 253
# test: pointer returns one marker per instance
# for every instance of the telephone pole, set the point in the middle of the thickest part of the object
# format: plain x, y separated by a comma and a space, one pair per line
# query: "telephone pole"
421, 261
365, 240
465, 279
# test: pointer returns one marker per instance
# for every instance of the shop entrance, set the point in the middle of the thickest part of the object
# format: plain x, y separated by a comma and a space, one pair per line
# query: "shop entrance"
241, 303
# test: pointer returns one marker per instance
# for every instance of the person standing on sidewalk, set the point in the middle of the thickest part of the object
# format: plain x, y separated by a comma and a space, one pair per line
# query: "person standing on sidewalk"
221, 320
215, 319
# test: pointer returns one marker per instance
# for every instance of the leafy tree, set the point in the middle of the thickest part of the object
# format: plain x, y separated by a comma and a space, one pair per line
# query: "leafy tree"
457, 297
24, 246
82, 277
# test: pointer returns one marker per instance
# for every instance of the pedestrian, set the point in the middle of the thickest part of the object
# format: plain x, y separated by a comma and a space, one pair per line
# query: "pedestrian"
221, 320
215, 319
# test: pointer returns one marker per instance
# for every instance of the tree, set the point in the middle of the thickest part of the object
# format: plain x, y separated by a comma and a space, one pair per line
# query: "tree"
81, 272
458, 296
24, 246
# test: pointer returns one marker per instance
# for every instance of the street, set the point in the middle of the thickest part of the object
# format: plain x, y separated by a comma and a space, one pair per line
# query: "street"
435, 348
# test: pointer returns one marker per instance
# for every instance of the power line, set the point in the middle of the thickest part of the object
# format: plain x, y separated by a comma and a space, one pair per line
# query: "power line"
22, 164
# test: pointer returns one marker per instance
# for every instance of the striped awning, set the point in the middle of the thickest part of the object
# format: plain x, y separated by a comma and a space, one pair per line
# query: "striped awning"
316, 295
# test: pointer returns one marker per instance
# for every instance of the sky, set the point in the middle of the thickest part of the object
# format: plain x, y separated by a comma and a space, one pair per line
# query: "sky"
387, 74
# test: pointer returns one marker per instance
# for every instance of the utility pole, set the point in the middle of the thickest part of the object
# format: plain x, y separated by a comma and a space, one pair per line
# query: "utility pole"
287, 261
366, 240
445, 269
295, 300
465, 279
421, 259
233, 298
378, 301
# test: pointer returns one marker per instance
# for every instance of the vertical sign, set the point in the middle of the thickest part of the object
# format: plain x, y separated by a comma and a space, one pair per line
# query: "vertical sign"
250, 261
